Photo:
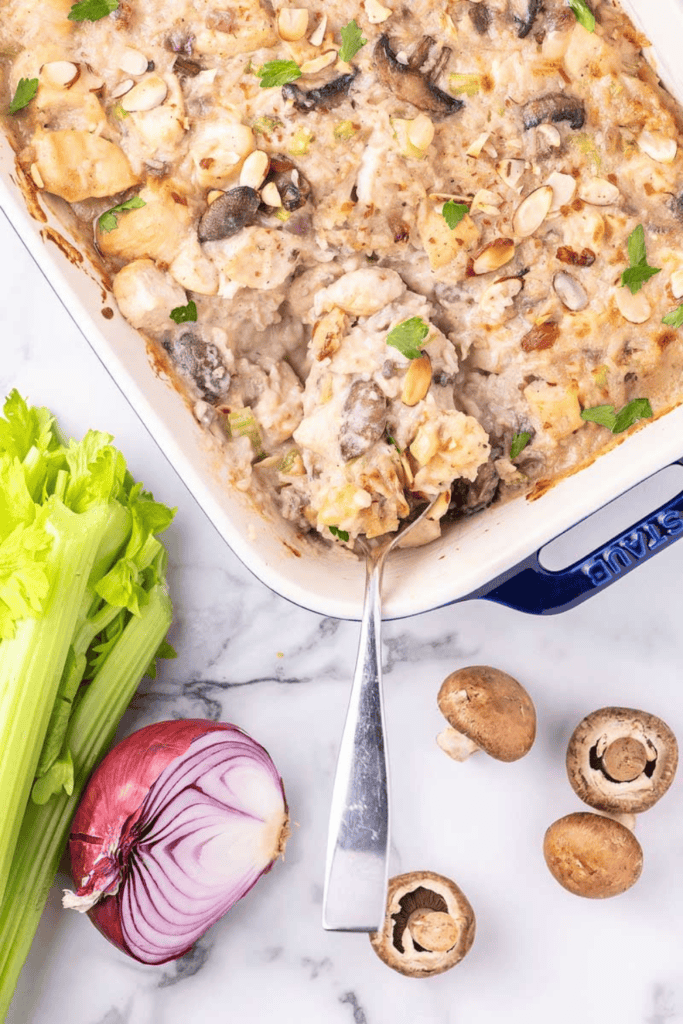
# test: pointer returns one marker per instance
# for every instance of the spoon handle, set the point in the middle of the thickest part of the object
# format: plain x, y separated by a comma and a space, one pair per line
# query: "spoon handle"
358, 837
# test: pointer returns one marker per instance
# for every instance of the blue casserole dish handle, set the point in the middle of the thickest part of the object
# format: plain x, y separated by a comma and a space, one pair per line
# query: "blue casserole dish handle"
529, 587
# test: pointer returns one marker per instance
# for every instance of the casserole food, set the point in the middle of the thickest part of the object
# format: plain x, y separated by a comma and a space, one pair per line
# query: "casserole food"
511, 542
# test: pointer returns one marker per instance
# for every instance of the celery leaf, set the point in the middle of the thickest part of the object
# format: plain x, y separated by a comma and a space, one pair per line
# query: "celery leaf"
60, 776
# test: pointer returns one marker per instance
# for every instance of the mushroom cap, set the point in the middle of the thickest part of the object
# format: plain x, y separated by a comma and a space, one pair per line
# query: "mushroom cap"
491, 708
621, 760
592, 856
409, 896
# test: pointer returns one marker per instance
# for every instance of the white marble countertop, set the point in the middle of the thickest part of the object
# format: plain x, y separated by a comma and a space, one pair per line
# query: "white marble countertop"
283, 674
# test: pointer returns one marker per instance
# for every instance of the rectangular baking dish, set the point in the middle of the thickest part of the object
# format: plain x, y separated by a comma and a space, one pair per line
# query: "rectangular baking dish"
492, 554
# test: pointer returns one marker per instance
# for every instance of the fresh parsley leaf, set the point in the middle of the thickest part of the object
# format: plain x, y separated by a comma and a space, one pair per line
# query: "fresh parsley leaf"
519, 443
352, 41
336, 532
26, 90
453, 213
617, 422
583, 14
407, 335
638, 272
92, 10
109, 220
674, 318
184, 314
278, 72
391, 440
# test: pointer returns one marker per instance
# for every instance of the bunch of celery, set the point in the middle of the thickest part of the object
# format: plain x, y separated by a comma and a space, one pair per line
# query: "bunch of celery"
84, 610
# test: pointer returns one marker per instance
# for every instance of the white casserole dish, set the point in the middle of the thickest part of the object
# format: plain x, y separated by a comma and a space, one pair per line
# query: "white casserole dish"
467, 557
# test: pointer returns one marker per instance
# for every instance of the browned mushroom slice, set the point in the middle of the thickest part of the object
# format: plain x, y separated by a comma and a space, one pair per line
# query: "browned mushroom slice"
429, 925
229, 213
199, 362
411, 85
486, 709
470, 496
293, 187
324, 98
555, 107
480, 16
592, 856
523, 13
621, 760
364, 419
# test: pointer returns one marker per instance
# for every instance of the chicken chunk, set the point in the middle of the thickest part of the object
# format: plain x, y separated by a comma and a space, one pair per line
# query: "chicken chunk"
156, 231
361, 292
146, 295
76, 165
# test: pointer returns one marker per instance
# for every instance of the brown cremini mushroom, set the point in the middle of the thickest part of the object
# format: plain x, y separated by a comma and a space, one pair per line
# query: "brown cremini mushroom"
592, 855
489, 710
429, 925
620, 760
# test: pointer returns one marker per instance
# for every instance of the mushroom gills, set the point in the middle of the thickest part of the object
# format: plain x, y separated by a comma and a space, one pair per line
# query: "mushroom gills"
555, 107
523, 13
411, 85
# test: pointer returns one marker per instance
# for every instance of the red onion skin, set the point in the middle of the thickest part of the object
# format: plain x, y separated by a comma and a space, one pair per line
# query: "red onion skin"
112, 802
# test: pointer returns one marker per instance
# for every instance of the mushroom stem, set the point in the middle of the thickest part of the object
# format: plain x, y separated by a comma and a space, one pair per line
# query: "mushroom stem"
456, 744
624, 759
622, 817
433, 930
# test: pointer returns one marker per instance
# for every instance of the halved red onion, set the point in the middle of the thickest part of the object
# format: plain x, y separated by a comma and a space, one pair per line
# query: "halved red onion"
177, 824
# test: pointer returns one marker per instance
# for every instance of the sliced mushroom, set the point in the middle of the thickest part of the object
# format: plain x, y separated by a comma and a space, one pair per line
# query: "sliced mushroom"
480, 16
621, 760
556, 106
364, 419
592, 856
229, 213
200, 362
323, 98
429, 925
470, 496
486, 709
293, 188
411, 85
523, 13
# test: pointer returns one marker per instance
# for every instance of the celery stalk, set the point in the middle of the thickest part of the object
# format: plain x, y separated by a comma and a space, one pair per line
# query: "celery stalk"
45, 829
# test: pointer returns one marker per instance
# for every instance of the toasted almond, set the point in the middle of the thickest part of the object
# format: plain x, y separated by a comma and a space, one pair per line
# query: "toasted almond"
476, 147
486, 201
270, 195
318, 34
420, 131
634, 308
494, 255
328, 333
132, 62
570, 292
599, 192
35, 174
122, 88
564, 187
376, 12
548, 136
255, 169
532, 211
657, 146
677, 283
417, 380
213, 195
60, 74
511, 171
440, 506
292, 23
311, 67
146, 95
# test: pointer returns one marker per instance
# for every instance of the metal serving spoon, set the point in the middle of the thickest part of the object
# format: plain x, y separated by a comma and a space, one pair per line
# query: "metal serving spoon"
357, 865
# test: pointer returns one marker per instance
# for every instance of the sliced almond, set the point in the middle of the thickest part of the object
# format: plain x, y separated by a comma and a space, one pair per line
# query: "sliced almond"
634, 308
122, 88
213, 195
511, 171
494, 255
255, 169
60, 74
564, 187
36, 175
328, 333
499, 297
311, 67
476, 147
548, 136
407, 470
440, 506
318, 34
532, 211
376, 12
292, 23
420, 132
599, 192
658, 146
146, 95
417, 380
486, 201
132, 62
270, 195
677, 283
570, 292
